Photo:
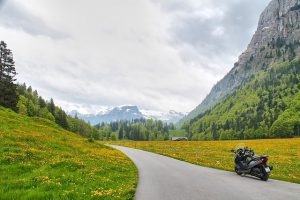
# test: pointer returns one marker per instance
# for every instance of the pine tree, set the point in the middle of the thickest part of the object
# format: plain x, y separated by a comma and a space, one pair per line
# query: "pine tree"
29, 90
42, 102
8, 89
51, 107
214, 131
121, 134
61, 119
22, 89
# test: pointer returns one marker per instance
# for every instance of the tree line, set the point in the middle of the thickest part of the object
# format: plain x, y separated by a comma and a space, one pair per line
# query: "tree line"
137, 129
33, 105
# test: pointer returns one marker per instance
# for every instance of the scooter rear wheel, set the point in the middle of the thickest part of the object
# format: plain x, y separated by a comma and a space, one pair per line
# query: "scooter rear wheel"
237, 171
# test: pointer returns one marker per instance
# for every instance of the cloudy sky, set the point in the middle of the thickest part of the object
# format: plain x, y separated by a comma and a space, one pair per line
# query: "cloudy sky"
157, 54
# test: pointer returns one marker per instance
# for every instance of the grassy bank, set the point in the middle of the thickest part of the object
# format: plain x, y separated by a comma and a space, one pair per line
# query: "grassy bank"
284, 154
39, 160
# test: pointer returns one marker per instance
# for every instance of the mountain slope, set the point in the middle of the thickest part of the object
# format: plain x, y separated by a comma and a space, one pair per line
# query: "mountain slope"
275, 40
266, 107
40, 160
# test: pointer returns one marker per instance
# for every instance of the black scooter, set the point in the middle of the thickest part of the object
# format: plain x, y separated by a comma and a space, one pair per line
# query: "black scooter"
246, 162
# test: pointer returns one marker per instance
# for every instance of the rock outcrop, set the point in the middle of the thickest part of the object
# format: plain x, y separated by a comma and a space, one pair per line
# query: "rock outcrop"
276, 39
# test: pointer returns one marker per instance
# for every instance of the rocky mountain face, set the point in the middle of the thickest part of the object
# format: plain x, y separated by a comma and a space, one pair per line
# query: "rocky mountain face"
127, 113
276, 39
115, 114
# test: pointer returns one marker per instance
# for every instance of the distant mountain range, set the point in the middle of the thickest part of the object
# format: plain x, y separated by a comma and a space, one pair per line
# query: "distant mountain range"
127, 113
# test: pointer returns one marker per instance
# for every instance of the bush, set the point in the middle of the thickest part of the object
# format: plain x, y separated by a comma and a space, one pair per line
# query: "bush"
91, 140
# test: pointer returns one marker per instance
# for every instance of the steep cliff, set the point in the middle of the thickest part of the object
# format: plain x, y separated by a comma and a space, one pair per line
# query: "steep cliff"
276, 39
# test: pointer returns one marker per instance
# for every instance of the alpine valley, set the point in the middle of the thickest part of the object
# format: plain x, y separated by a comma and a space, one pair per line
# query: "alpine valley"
122, 152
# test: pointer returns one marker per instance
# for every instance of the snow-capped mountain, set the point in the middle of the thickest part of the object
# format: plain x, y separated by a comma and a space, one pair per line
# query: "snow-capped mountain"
127, 113
170, 117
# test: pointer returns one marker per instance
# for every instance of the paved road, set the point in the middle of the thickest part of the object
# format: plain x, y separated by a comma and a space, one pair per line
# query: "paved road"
163, 178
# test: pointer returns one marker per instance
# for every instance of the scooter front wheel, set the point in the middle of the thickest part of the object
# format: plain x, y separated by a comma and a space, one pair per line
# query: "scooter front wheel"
265, 175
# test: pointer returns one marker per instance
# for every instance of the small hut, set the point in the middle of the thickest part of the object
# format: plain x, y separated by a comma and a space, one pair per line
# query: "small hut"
179, 139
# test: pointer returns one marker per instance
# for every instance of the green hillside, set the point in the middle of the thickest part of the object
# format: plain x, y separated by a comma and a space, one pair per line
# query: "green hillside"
268, 106
40, 160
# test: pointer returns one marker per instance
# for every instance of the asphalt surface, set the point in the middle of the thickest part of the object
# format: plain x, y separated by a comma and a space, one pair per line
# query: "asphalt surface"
164, 178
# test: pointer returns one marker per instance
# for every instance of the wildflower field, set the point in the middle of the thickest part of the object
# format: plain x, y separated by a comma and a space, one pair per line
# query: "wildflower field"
39, 160
284, 153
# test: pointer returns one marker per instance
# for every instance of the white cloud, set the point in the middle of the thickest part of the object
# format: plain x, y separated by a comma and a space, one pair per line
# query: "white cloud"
218, 31
159, 55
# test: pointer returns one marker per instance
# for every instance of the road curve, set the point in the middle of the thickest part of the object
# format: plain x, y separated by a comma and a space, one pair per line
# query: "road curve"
164, 178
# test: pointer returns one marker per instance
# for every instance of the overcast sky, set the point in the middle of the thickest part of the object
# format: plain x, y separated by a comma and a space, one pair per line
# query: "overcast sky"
157, 54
